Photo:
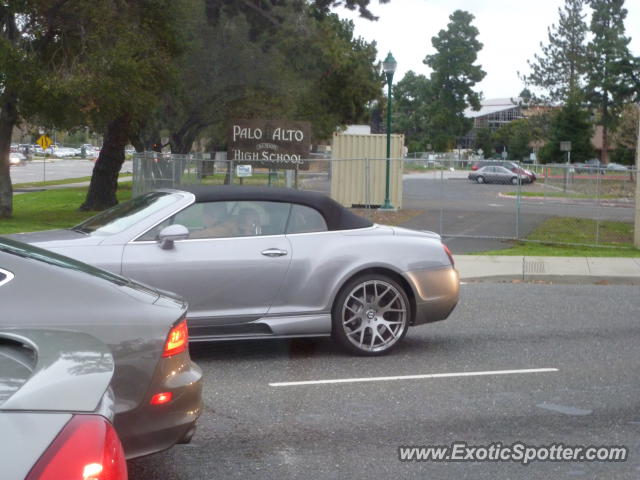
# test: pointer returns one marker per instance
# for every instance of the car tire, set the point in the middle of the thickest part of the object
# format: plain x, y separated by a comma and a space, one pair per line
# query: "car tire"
367, 304
480, 179
514, 181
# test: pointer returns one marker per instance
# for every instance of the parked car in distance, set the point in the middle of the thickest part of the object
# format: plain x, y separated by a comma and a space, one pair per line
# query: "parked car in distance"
260, 262
498, 175
156, 386
616, 167
16, 158
514, 167
56, 407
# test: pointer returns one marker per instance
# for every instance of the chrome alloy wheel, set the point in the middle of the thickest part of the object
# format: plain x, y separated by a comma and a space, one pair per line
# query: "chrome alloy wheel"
374, 316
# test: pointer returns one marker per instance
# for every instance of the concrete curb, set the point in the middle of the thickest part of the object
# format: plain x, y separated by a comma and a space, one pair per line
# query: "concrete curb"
557, 279
574, 201
563, 270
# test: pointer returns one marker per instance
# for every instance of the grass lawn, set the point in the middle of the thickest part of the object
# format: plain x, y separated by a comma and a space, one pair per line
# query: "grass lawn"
65, 181
616, 239
51, 209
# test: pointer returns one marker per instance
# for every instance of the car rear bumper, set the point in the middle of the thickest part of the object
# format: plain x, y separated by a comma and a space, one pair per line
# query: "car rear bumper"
436, 293
152, 428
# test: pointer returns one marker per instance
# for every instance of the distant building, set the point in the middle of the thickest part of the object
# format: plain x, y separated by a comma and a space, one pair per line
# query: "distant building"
496, 112
493, 114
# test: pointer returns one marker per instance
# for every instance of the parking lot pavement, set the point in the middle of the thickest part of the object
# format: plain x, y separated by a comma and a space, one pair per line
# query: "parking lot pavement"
39, 170
587, 336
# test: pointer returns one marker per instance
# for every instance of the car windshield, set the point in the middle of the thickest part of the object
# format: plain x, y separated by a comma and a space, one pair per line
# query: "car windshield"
124, 215
27, 251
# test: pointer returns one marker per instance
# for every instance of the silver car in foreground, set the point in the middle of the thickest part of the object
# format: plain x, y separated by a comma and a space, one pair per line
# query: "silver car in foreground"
156, 386
259, 262
56, 407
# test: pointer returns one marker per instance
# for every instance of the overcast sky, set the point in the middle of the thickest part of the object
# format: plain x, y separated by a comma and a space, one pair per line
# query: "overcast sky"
510, 31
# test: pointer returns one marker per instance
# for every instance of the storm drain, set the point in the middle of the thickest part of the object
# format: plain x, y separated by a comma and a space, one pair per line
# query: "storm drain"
534, 267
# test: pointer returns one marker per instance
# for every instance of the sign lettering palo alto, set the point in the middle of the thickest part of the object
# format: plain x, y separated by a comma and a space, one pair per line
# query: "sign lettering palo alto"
45, 142
270, 143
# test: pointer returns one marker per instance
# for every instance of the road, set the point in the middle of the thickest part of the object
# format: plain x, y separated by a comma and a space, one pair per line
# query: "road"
55, 169
590, 334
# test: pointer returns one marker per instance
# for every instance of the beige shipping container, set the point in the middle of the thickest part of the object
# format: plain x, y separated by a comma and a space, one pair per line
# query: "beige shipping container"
358, 169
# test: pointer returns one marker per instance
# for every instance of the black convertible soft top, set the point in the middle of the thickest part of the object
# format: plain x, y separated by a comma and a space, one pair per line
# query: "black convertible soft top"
336, 216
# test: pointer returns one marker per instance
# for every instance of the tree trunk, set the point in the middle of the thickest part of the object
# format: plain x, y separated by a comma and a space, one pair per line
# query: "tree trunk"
104, 179
8, 118
604, 154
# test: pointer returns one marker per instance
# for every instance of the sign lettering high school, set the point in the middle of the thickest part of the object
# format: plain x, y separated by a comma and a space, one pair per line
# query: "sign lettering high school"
269, 143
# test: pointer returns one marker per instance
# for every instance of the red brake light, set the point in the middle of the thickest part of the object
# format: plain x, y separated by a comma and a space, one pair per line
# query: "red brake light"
448, 252
161, 398
87, 448
177, 340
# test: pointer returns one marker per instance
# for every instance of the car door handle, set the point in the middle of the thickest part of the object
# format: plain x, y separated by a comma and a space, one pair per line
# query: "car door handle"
273, 252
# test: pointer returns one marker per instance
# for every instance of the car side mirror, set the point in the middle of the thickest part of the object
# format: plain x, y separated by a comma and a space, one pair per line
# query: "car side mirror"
170, 234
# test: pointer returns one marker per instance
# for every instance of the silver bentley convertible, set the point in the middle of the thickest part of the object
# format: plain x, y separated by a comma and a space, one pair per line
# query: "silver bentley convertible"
259, 262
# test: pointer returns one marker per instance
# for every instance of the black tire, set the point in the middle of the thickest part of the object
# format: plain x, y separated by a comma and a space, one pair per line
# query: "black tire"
358, 312
480, 179
514, 181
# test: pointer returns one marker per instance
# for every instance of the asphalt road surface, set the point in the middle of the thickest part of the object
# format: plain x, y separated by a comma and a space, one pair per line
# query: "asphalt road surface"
590, 334
38, 170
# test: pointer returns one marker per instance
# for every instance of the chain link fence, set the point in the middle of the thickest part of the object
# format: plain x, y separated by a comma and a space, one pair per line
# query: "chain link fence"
483, 202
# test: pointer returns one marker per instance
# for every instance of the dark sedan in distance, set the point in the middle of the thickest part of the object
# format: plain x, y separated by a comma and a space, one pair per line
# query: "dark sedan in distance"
497, 174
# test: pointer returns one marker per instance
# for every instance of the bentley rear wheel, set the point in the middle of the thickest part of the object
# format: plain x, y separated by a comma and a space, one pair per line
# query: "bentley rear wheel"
371, 315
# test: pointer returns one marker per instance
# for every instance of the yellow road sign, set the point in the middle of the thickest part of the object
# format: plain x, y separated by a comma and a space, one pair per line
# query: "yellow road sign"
45, 142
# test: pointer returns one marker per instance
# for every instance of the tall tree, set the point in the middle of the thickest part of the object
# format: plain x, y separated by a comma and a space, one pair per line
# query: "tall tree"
452, 80
569, 123
611, 72
126, 80
517, 136
276, 60
625, 138
39, 41
559, 68
410, 98
484, 141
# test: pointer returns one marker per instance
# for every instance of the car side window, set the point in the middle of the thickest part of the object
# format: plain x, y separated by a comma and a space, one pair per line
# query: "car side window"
228, 219
305, 219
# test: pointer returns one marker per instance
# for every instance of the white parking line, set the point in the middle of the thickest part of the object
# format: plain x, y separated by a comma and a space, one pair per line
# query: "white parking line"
413, 377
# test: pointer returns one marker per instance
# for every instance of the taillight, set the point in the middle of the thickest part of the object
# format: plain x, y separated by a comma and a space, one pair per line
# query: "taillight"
88, 448
177, 340
448, 252
161, 398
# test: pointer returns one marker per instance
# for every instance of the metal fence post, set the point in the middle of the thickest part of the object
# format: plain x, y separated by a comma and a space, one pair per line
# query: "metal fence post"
598, 206
518, 197
441, 204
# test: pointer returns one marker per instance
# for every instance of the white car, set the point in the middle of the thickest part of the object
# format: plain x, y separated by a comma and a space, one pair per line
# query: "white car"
16, 158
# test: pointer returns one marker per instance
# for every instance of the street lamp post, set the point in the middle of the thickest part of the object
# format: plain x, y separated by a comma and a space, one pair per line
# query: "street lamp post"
388, 67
